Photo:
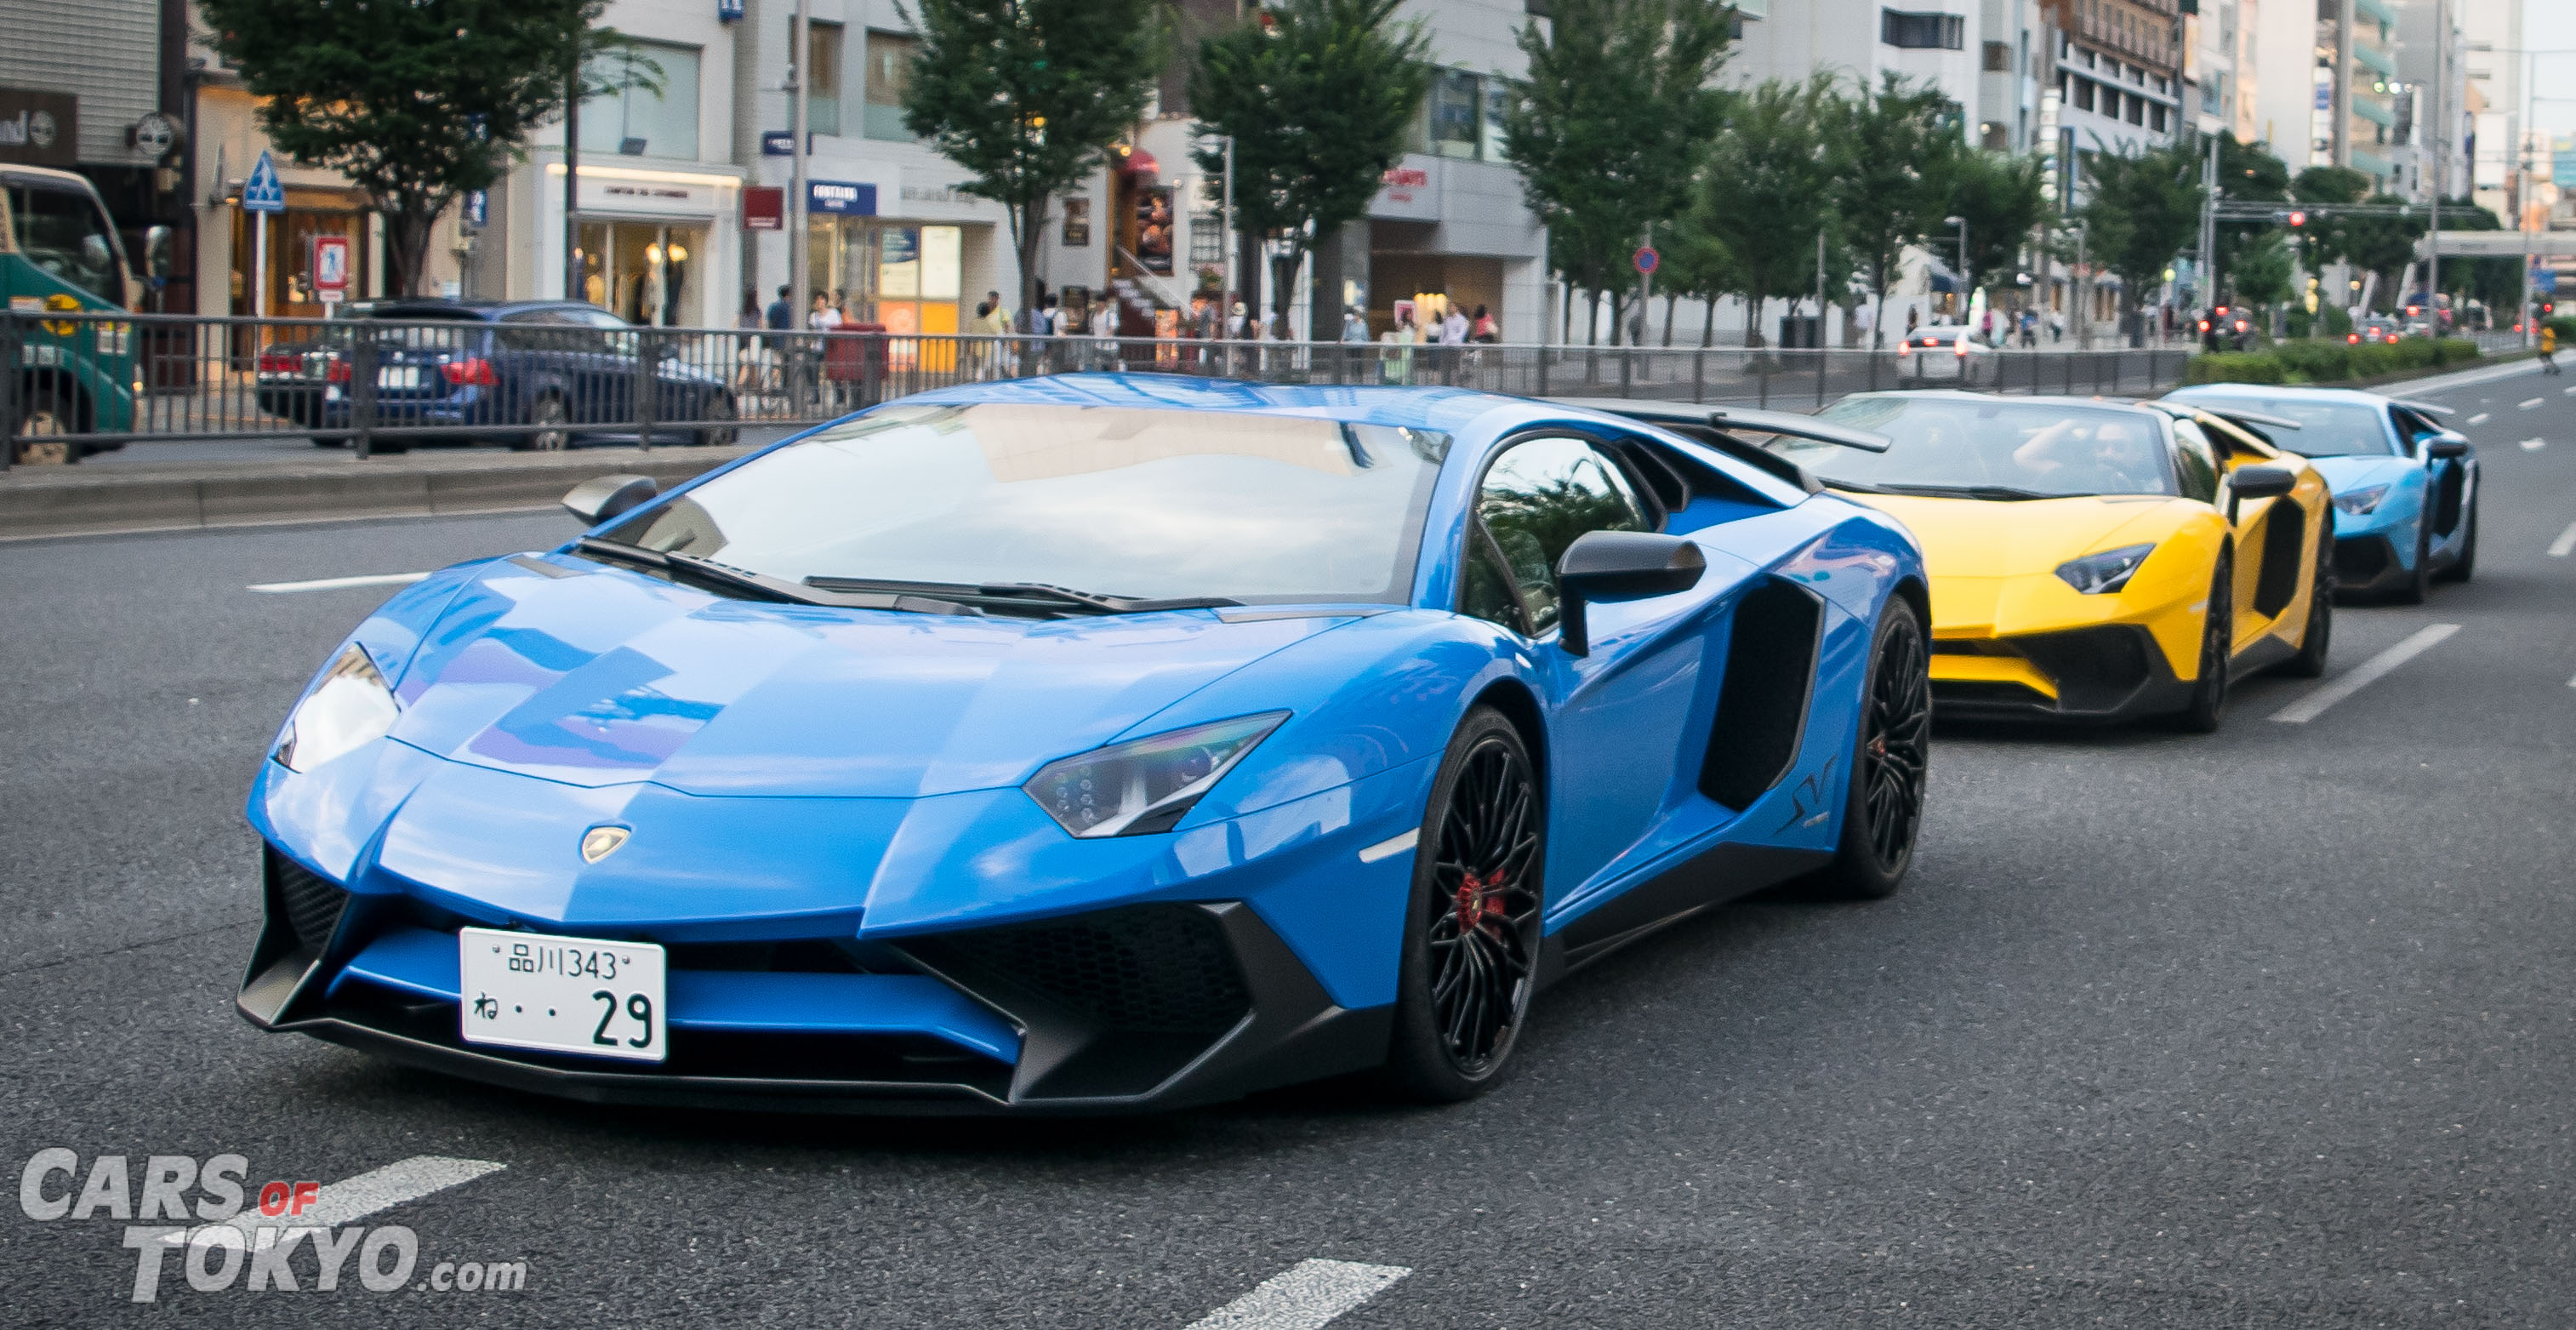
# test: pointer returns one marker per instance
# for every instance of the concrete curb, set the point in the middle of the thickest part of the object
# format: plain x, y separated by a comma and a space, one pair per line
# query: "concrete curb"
75, 501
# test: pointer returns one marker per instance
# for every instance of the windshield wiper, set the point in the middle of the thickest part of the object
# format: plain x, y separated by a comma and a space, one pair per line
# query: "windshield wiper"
1022, 597
706, 573
2001, 492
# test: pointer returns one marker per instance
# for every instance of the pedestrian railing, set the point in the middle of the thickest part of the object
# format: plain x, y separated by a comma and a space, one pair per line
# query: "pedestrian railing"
554, 379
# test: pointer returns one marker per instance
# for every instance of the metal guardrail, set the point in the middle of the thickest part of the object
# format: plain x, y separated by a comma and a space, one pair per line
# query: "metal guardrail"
558, 378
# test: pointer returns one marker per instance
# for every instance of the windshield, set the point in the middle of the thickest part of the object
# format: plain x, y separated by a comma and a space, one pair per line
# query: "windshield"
65, 233
2330, 428
1984, 448
1114, 501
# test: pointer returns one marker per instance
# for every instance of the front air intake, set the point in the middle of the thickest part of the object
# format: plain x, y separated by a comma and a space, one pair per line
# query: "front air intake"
310, 902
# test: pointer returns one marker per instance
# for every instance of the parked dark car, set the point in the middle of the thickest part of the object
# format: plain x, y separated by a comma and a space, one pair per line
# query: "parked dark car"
567, 371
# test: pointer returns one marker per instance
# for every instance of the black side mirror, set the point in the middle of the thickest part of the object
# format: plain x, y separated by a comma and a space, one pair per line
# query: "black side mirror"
602, 497
1620, 565
2257, 482
2446, 446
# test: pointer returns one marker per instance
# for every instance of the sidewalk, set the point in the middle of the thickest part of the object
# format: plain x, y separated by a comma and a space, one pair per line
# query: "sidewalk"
150, 495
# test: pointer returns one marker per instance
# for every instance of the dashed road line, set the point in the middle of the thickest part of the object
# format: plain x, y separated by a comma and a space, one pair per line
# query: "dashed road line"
2370, 671
2565, 544
2482, 417
356, 1198
335, 583
2534, 445
2533, 403
2571, 391
1305, 1296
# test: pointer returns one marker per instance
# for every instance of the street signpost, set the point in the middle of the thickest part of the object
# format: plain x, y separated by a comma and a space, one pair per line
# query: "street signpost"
331, 268
262, 194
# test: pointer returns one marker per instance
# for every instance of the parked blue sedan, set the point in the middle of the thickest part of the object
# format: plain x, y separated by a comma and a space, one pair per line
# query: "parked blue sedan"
1090, 743
547, 374
2405, 487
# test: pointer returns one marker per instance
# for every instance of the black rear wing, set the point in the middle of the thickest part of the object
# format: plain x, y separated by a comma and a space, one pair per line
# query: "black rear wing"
1715, 426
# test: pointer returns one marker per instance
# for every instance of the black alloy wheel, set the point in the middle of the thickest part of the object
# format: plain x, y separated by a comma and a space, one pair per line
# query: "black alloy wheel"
2318, 638
1471, 940
1891, 758
2217, 654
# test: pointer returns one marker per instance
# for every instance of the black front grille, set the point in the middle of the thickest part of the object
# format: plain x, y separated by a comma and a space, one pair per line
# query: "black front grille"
312, 903
2095, 669
2361, 559
1986, 693
1145, 969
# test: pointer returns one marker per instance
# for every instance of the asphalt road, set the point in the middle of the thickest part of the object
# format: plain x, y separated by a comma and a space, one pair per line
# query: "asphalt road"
2271, 1028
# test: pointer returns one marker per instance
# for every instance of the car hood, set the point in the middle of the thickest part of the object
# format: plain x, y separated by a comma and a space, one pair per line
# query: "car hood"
589, 675
2346, 474
1987, 538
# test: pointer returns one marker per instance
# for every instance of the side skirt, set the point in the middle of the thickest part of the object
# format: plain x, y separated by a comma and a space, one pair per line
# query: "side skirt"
1719, 874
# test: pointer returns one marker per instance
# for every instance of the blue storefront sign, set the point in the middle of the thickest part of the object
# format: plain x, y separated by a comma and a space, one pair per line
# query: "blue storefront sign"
847, 198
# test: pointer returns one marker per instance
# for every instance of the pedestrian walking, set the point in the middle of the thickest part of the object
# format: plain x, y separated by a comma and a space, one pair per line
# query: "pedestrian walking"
2548, 349
747, 324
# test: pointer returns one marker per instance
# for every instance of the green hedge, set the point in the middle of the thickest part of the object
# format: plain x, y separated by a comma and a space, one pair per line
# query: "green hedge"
2328, 361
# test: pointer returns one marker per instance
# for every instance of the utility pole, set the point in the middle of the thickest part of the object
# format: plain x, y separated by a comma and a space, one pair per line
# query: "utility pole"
2441, 144
2208, 292
1820, 290
572, 173
800, 48
2083, 291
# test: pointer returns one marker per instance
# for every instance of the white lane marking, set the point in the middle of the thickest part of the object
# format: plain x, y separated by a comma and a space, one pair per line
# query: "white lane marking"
2571, 392
2482, 417
1305, 1296
346, 1202
1391, 846
2534, 402
2352, 681
335, 583
2565, 544
2534, 445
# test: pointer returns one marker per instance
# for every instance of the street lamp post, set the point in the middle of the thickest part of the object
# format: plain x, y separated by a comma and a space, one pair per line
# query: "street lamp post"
1964, 283
800, 49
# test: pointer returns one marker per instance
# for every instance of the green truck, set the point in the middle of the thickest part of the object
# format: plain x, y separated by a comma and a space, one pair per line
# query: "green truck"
59, 254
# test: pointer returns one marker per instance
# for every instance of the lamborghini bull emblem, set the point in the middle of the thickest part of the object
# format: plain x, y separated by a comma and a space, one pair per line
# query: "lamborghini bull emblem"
600, 842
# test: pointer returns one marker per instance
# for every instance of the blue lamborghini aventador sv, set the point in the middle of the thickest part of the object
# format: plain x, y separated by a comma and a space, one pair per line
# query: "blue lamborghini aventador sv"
1091, 743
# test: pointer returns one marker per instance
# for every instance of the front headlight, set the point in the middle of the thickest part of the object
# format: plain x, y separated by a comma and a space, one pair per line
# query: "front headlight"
2360, 501
2106, 572
1145, 785
349, 708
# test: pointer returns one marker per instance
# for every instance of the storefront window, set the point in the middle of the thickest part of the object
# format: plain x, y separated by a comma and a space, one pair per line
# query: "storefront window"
889, 72
640, 121
907, 278
290, 256
823, 78
640, 271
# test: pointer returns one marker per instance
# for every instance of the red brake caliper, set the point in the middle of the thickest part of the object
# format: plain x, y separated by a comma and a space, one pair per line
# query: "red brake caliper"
1479, 899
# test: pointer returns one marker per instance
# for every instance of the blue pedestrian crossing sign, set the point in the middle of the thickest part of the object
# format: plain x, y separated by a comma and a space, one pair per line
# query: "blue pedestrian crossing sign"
264, 192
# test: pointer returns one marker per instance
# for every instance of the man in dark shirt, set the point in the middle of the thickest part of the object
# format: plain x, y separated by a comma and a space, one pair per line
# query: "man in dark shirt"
781, 315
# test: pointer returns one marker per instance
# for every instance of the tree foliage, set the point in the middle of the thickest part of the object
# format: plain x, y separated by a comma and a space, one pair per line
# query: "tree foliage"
2142, 210
1029, 95
1615, 110
1317, 95
1999, 198
1768, 191
417, 102
1896, 142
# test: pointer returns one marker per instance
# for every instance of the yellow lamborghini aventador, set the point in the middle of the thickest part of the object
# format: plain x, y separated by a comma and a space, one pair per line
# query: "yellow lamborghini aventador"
2095, 560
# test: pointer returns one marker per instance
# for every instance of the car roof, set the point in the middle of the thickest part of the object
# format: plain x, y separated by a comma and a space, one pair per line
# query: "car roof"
442, 307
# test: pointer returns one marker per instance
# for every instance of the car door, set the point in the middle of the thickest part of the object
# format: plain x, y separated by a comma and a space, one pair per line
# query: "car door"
609, 362
1620, 711
2446, 481
2273, 542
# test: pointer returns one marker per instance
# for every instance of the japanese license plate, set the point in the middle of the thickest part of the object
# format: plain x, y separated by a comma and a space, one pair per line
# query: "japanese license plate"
561, 994
405, 378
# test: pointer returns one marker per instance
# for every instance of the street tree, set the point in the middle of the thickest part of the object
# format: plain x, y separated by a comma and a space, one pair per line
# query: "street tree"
1896, 140
2143, 209
2495, 283
1606, 126
1999, 197
2247, 173
1767, 191
1317, 96
417, 102
1028, 95
2263, 270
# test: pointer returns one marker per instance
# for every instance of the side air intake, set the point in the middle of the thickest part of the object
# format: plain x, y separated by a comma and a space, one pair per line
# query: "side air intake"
1762, 698
2285, 539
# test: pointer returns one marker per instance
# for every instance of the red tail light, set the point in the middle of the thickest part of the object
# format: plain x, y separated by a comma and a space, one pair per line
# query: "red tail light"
2354, 338
474, 370
1960, 347
337, 371
279, 362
